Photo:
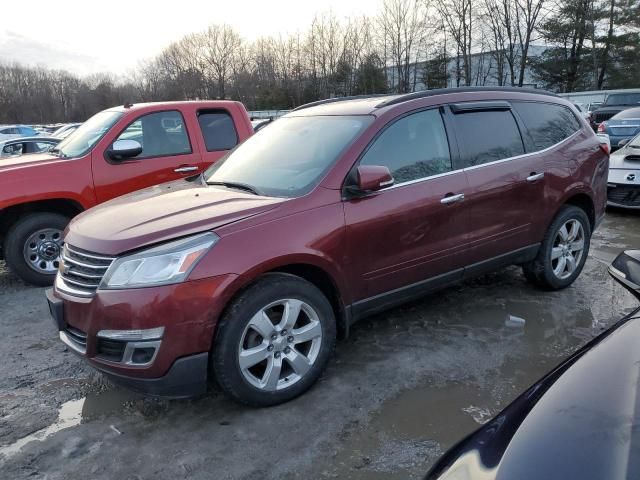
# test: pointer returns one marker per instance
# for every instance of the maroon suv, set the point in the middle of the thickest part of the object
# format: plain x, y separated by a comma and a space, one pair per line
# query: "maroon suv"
341, 208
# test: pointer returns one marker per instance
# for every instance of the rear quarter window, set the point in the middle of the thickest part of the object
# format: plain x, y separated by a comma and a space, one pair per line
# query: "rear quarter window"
547, 123
218, 130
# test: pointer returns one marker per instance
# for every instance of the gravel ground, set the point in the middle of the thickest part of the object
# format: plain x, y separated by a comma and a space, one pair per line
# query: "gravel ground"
402, 389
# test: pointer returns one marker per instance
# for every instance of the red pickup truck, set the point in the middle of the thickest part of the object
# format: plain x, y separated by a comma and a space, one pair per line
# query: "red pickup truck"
116, 151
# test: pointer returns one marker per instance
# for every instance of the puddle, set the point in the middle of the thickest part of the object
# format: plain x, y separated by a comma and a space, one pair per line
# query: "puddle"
70, 415
75, 412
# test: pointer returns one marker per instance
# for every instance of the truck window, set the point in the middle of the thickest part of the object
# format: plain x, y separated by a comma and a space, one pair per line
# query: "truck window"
161, 134
218, 130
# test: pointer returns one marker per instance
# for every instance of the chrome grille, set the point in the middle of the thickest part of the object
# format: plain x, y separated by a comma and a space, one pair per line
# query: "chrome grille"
75, 339
81, 272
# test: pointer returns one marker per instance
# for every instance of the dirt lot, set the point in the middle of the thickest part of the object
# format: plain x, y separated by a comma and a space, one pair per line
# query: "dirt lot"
405, 386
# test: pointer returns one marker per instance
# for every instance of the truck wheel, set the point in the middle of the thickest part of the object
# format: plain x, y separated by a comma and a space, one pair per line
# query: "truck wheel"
32, 247
563, 251
274, 341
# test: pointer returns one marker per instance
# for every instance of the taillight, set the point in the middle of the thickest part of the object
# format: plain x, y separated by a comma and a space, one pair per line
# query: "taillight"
605, 148
601, 128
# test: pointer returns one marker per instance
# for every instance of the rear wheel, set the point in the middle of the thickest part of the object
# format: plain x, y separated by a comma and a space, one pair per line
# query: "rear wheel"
274, 341
32, 247
563, 251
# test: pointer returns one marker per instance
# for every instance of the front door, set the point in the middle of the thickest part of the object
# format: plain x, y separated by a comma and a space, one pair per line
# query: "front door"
414, 230
167, 154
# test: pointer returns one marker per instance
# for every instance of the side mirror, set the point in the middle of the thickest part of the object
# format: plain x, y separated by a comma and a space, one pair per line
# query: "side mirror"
625, 269
623, 142
123, 149
371, 178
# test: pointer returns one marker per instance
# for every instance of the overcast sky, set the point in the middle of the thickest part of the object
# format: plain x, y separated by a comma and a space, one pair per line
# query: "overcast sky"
87, 37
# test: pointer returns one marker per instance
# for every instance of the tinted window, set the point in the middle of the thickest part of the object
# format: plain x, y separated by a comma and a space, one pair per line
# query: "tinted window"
488, 136
160, 134
13, 149
548, 124
218, 130
413, 147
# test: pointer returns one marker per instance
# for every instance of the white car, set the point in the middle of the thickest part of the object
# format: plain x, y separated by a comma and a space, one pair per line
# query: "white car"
623, 187
8, 132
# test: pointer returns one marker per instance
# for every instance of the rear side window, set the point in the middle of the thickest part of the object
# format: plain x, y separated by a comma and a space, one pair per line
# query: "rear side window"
488, 136
413, 147
547, 123
218, 130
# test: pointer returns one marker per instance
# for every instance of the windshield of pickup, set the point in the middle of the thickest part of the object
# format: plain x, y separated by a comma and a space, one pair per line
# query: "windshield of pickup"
87, 134
288, 157
623, 99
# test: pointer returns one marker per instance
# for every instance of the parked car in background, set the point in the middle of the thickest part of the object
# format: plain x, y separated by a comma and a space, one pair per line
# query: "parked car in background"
24, 145
614, 103
583, 112
13, 131
623, 186
66, 130
339, 209
580, 421
621, 127
117, 151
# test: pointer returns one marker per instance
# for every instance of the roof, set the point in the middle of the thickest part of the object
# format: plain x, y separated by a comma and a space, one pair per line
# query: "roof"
367, 105
138, 106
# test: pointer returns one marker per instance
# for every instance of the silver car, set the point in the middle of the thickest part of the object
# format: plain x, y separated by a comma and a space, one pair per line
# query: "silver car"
623, 187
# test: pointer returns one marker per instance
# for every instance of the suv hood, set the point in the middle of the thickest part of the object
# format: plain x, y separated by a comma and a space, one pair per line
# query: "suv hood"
162, 213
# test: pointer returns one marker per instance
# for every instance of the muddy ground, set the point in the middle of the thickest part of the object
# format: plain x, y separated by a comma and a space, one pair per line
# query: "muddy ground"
402, 389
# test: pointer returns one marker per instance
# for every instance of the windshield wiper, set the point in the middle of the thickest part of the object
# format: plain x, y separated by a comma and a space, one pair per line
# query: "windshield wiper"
237, 185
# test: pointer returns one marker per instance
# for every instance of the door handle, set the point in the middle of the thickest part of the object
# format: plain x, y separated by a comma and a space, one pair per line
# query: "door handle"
187, 169
447, 199
535, 176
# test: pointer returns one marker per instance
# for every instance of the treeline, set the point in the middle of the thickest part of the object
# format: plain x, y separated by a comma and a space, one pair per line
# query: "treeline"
408, 44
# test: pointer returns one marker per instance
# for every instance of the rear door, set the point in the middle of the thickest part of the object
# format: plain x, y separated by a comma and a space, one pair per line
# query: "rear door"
416, 229
167, 154
506, 185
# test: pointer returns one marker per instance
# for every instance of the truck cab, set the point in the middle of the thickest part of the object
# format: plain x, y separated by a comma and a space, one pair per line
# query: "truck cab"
117, 151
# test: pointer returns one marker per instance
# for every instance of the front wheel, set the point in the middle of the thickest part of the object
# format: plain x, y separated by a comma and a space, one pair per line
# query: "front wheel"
32, 247
274, 341
563, 251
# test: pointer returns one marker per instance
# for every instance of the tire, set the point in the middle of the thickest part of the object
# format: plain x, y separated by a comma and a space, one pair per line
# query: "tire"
41, 270
238, 332
543, 270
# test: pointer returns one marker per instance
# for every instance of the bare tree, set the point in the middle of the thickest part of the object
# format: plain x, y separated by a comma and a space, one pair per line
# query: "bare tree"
458, 17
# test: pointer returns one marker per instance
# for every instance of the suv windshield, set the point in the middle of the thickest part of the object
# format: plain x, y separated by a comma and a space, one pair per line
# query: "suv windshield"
289, 158
88, 134
623, 99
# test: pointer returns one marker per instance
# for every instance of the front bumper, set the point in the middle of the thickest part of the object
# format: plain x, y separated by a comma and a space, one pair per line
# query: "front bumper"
623, 195
176, 364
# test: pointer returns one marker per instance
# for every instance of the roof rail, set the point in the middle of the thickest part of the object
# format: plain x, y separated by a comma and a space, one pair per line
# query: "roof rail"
339, 99
443, 91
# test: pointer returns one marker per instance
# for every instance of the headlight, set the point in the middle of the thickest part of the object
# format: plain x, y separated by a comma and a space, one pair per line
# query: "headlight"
161, 265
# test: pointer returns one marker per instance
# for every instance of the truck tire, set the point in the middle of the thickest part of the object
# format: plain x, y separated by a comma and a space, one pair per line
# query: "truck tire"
33, 245
563, 251
274, 341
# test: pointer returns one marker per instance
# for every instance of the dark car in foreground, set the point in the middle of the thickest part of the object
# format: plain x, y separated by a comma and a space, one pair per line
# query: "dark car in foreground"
335, 211
614, 103
622, 127
580, 421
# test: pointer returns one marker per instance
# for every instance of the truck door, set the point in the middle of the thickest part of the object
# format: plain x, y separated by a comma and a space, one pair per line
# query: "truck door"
167, 154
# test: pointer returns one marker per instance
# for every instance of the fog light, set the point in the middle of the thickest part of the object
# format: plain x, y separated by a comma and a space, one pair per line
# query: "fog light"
142, 355
133, 335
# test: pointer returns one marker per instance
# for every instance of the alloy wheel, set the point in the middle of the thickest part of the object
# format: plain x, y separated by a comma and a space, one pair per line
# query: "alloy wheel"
568, 248
280, 344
